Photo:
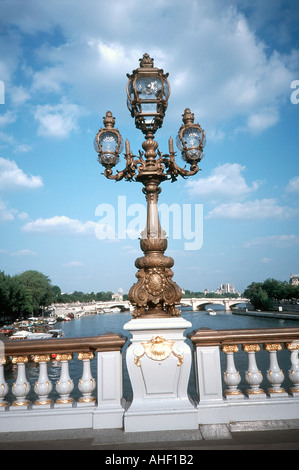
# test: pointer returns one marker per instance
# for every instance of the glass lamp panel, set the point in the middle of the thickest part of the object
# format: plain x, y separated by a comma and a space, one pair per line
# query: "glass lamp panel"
96, 145
108, 142
178, 142
166, 91
110, 159
192, 154
192, 137
148, 88
129, 104
130, 94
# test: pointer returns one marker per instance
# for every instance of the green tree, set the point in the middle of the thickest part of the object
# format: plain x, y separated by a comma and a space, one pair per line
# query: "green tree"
258, 296
39, 287
4, 293
20, 302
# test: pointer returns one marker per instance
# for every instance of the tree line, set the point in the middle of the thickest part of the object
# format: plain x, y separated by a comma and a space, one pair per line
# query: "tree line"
264, 295
198, 295
26, 294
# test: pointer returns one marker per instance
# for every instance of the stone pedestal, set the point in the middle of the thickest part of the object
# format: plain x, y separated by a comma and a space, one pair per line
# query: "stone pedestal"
159, 363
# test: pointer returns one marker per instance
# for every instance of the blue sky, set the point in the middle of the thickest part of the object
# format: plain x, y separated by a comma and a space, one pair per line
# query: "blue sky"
64, 64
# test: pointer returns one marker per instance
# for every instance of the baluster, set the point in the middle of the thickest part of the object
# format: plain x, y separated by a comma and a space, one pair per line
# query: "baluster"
274, 374
3, 385
65, 385
21, 387
43, 386
253, 375
294, 371
231, 376
87, 383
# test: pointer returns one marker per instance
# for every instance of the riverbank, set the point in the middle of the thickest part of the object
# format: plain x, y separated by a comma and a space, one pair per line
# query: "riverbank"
286, 315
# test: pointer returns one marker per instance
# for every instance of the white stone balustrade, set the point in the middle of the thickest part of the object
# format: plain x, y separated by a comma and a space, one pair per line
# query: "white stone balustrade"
64, 385
294, 370
231, 376
21, 387
43, 386
274, 374
87, 383
3, 385
253, 375
226, 390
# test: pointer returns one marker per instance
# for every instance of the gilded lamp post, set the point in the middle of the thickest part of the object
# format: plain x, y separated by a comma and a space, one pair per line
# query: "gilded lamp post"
155, 294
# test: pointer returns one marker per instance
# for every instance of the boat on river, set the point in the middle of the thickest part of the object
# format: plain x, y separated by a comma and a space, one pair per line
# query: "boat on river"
211, 311
28, 335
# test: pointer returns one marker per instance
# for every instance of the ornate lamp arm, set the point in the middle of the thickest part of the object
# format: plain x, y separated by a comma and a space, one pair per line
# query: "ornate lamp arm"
175, 170
129, 172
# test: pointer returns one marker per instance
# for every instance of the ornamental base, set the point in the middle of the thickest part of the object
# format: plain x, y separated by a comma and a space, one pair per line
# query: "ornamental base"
256, 394
47, 403
88, 401
159, 364
277, 392
20, 405
233, 395
64, 403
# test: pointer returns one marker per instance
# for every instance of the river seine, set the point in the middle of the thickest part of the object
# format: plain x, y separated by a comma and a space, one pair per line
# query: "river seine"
99, 324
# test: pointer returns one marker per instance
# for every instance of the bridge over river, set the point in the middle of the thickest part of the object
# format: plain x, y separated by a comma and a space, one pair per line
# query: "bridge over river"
95, 307
195, 303
202, 302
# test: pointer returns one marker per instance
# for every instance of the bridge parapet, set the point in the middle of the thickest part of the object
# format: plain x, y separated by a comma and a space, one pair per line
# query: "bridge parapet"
227, 303
218, 396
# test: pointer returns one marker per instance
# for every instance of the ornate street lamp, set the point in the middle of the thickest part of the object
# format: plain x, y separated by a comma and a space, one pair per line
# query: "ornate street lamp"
155, 294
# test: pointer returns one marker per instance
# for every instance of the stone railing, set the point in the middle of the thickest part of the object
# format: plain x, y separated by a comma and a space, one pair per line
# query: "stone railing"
219, 396
43, 412
32, 405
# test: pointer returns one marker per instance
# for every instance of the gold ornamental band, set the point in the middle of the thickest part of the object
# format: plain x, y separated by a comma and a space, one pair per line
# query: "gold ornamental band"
233, 392
64, 401
270, 347
255, 392
43, 402
251, 348
21, 403
85, 356
64, 357
20, 359
87, 400
230, 348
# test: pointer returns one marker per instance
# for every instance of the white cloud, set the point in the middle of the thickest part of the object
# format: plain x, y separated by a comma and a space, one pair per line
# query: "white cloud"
293, 185
253, 210
278, 241
7, 118
216, 60
6, 215
24, 253
58, 120
266, 260
19, 95
12, 177
73, 264
226, 181
18, 147
260, 121
60, 225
